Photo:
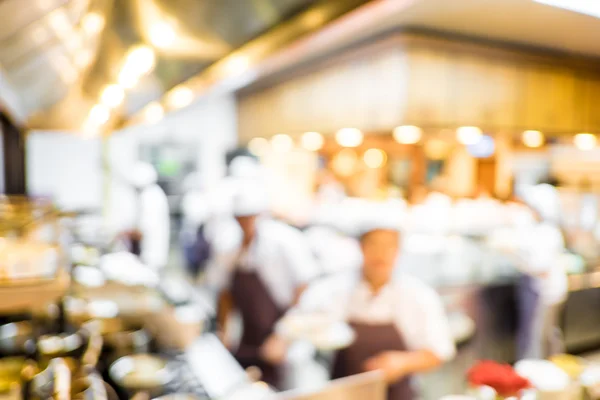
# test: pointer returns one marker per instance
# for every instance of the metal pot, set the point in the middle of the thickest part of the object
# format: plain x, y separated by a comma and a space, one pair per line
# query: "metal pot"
178, 396
14, 337
141, 373
10, 372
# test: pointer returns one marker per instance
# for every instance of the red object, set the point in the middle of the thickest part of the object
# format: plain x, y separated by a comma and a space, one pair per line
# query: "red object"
500, 377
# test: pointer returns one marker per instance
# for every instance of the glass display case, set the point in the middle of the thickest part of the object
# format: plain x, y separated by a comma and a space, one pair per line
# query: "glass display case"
32, 257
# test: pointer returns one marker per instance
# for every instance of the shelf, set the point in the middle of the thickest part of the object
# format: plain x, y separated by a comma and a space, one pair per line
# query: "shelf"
26, 294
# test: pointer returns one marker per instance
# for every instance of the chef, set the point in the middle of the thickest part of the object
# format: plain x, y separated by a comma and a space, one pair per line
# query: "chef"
400, 323
261, 276
543, 287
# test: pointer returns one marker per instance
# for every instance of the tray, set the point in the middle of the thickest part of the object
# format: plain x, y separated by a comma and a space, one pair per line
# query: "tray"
26, 294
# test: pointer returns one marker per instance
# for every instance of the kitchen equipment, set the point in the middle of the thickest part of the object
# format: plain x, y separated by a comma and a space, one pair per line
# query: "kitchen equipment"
141, 373
10, 372
178, 396
14, 337
53, 382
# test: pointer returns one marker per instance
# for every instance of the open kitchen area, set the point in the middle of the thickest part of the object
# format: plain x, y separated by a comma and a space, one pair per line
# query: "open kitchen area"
299, 199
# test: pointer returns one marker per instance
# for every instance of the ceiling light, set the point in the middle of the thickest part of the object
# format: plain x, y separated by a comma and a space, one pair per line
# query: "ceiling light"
282, 143
407, 134
585, 141
162, 34
180, 97
140, 59
92, 23
236, 64
374, 158
258, 146
533, 139
349, 137
344, 162
112, 96
128, 79
153, 113
99, 114
312, 141
588, 7
83, 58
468, 135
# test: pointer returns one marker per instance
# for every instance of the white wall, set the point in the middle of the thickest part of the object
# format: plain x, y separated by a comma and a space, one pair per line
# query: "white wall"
210, 124
68, 167
65, 167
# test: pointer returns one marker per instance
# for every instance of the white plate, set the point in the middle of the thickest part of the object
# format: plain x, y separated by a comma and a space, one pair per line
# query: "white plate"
319, 329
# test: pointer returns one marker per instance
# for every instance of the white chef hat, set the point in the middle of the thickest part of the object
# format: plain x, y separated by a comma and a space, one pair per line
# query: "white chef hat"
143, 174
250, 199
380, 216
244, 167
545, 199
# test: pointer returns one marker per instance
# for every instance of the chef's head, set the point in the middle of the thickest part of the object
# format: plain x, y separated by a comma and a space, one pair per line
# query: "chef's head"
249, 203
142, 174
380, 245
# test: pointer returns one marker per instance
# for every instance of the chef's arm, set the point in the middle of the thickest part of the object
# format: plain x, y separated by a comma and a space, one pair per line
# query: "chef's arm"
414, 362
299, 290
397, 364
224, 310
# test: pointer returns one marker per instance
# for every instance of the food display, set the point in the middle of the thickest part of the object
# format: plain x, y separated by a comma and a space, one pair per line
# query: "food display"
572, 365
501, 377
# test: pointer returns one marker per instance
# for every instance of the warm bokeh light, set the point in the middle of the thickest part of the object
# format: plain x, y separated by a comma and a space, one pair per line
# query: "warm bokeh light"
349, 137
180, 97
162, 34
312, 141
407, 134
92, 23
236, 64
468, 135
99, 114
374, 158
139, 61
436, 149
282, 143
112, 96
128, 78
533, 139
258, 146
153, 113
344, 162
585, 141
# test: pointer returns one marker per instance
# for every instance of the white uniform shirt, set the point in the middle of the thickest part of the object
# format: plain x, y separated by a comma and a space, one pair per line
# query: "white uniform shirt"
155, 226
280, 256
541, 247
414, 308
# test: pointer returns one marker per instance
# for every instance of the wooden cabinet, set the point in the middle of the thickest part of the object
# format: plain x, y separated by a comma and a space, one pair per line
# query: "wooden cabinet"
549, 99
428, 95
432, 85
389, 84
591, 106
468, 89
500, 92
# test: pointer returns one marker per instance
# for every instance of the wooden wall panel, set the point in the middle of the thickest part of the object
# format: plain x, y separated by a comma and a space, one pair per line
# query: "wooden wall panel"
431, 83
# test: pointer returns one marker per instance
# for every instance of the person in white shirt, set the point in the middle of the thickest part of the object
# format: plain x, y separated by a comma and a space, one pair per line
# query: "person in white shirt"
543, 288
152, 218
400, 323
261, 276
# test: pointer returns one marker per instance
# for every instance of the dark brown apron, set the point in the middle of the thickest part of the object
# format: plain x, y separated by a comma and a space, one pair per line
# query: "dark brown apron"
259, 315
370, 341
